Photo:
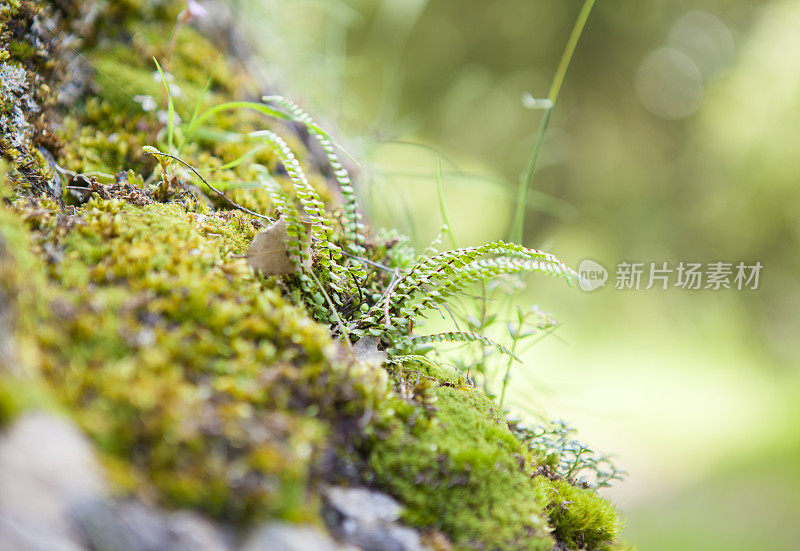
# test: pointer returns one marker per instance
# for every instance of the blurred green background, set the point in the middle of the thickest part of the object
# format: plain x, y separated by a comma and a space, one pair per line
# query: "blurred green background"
676, 138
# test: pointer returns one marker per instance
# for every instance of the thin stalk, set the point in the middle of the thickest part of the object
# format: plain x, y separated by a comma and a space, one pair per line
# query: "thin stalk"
334, 312
155, 152
513, 347
572, 43
170, 107
526, 182
507, 376
442, 206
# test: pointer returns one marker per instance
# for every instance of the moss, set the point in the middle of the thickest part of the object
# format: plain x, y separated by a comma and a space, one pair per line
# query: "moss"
580, 518
21, 283
176, 360
465, 474
20, 394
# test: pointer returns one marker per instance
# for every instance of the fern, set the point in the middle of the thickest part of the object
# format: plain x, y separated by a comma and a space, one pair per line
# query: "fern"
335, 276
306, 194
433, 281
566, 457
351, 215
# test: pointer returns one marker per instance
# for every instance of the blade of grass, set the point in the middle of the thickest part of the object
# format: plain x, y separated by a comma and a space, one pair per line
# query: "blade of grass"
199, 104
170, 108
442, 206
233, 106
569, 50
518, 225
241, 159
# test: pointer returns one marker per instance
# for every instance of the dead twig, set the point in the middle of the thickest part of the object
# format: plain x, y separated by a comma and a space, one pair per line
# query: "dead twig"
234, 204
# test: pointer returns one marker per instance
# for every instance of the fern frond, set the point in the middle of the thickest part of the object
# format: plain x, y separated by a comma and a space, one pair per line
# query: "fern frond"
456, 336
299, 255
445, 264
321, 228
352, 217
288, 211
479, 270
308, 196
435, 279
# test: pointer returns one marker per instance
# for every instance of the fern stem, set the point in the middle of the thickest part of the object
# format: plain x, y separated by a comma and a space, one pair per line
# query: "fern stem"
155, 152
334, 312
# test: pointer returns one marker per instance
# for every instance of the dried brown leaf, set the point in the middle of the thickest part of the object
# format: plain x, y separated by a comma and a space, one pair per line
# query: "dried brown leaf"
269, 251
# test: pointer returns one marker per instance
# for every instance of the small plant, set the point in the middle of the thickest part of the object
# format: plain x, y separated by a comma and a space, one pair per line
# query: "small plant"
343, 281
566, 457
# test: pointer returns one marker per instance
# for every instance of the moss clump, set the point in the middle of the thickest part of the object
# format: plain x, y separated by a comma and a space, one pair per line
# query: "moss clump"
465, 473
21, 283
193, 379
580, 518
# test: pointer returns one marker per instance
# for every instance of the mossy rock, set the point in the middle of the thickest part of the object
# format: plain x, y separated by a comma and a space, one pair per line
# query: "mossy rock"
203, 384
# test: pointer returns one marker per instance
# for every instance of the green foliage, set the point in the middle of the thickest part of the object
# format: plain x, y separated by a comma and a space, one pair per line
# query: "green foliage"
206, 386
156, 340
351, 217
434, 280
336, 278
456, 336
567, 457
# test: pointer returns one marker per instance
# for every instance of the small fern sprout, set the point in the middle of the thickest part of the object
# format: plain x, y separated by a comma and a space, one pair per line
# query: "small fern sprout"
568, 458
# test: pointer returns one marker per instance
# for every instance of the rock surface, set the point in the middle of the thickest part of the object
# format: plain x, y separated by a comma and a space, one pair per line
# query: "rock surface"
369, 520
281, 536
129, 525
47, 469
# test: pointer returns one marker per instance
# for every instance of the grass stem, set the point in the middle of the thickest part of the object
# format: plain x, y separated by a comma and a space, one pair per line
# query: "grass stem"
526, 182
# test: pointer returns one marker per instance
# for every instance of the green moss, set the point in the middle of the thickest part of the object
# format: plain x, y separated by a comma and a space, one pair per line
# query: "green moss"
581, 519
465, 474
175, 359
21, 284
20, 394
198, 382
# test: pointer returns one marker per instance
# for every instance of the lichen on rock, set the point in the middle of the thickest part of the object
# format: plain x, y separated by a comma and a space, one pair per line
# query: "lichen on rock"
129, 307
